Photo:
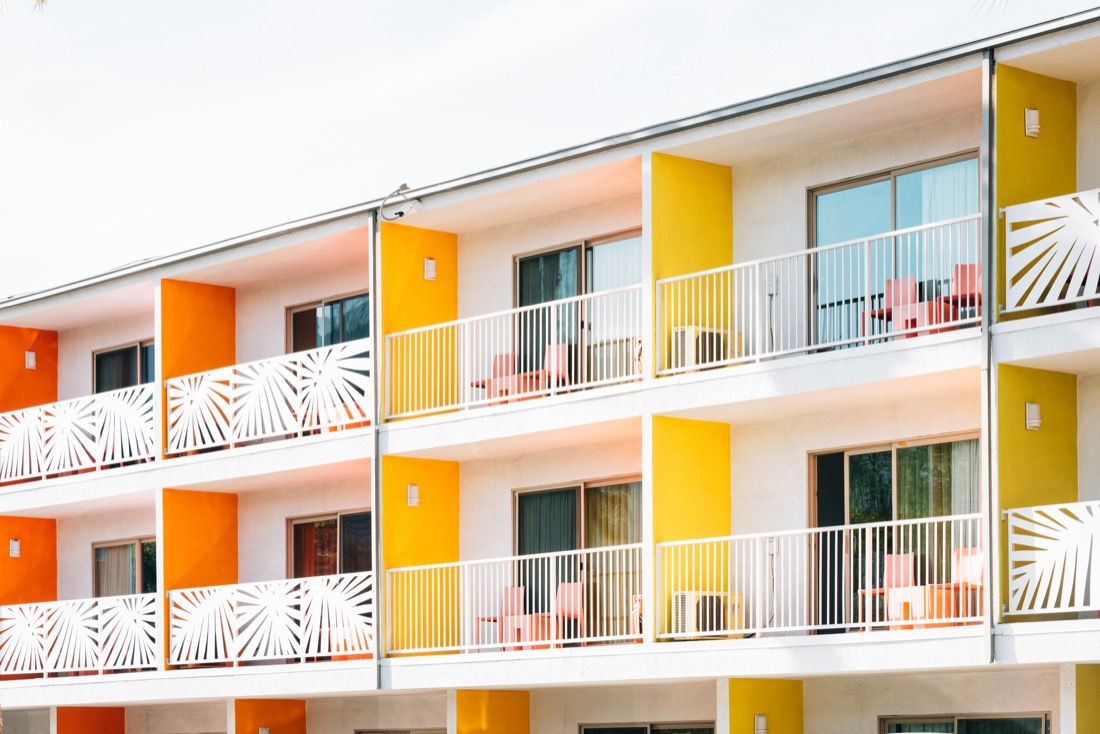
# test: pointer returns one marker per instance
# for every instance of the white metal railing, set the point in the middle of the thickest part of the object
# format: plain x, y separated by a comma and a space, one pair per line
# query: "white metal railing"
94, 432
281, 397
905, 574
903, 283
115, 633
294, 619
1051, 251
521, 602
580, 342
1054, 558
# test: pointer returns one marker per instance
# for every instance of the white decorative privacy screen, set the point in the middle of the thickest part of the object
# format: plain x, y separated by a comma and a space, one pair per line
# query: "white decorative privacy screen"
1051, 249
1052, 558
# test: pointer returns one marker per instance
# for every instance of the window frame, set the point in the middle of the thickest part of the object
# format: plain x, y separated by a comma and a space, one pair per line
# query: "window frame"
954, 719
583, 246
300, 519
579, 486
648, 726
886, 174
136, 542
139, 367
308, 305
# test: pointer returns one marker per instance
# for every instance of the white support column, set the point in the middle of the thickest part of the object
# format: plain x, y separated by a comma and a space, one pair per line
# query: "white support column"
452, 711
722, 706
649, 576
1065, 718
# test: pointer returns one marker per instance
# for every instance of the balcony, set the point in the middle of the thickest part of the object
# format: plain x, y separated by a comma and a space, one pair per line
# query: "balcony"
1050, 252
294, 620
85, 636
537, 601
897, 575
551, 348
278, 398
1054, 559
86, 434
895, 285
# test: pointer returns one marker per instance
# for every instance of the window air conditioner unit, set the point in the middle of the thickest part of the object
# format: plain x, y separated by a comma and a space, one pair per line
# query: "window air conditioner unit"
700, 612
697, 346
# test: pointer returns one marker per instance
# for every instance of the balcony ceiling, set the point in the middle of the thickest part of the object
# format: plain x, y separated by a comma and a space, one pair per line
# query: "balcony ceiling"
520, 198
76, 310
832, 119
1077, 62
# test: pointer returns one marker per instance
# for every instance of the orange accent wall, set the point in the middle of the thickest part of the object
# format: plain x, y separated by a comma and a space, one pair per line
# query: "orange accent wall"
198, 331
281, 716
493, 712
19, 387
85, 719
200, 539
33, 576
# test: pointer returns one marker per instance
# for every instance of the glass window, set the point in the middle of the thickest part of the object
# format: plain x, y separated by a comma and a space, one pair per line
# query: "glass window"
124, 568
550, 520
330, 322
650, 729
324, 546
127, 366
1009, 724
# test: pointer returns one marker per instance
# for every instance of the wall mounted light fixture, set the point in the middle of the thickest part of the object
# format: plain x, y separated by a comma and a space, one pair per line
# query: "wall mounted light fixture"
265, 730
760, 724
30, 360
1031, 123
429, 268
412, 495
1031, 415
14, 548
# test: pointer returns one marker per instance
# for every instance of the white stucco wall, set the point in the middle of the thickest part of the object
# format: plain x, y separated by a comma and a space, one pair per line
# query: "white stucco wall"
1088, 145
770, 465
27, 722
563, 710
377, 713
840, 705
1088, 437
262, 521
76, 346
188, 718
486, 258
770, 196
485, 507
75, 536
261, 309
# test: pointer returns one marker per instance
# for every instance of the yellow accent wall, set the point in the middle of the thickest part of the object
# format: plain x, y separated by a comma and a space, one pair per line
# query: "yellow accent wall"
692, 215
1035, 467
1088, 703
417, 536
691, 479
1029, 169
281, 716
425, 374
780, 700
493, 712
691, 230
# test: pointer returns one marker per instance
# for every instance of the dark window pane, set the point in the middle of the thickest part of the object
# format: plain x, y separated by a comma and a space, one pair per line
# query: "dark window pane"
870, 488
315, 548
148, 567
148, 364
355, 543
333, 323
615, 730
1023, 725
305, 328
356, 317
116, 369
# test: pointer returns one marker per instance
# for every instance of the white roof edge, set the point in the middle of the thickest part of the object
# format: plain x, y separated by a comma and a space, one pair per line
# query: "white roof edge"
610, 142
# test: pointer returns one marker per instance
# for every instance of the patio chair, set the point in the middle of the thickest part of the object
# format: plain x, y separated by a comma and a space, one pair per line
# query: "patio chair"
569, 604
966, 288
968, 579
898, 293
897, 572
555, 368
509, 621
501, 383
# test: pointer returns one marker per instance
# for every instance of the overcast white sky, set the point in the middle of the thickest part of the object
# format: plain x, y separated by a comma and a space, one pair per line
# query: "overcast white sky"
131, 129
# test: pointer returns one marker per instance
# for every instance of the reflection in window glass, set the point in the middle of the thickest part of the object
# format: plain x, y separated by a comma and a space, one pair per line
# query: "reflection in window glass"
848, 214
355, 543
315, 548
613, 265
870, 487
937, 194
938, 479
